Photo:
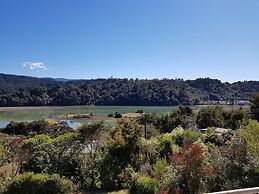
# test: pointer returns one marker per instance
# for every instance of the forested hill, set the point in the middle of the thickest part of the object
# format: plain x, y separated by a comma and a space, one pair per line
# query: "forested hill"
12, 83
30, 91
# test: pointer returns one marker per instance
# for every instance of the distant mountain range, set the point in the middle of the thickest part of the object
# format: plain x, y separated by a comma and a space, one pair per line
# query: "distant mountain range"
31, 91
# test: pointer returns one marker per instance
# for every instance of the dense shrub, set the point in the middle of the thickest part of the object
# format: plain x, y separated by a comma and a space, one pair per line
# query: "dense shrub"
254, 101
47, 154
140, 111
117, 115
210, 117
190, 165
30, 183
182, 116
122, 147
36, 127
112, 158
251, 134
217, 116
144, 185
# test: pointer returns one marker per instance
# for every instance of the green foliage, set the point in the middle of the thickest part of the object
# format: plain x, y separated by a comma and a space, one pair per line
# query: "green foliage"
219, 139
122, 148
235, 118
127, 176
36, 127
237, 161
124, 138
89, 133
117, 115
30, 183
210, 117
182, 116
210, 132
165, 147
120, 192
144, 185
251, 134
159, 169
148, 151
12, 83
90, 137
43, 154
191, 136
254, 102
28, 91
140, 111
113, 158
216, 116
5, 151
216, 139
231, 166
170, 181
147, 119
187, 136
10, 158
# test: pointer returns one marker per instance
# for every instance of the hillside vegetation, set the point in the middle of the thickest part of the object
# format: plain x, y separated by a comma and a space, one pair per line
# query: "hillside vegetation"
146, 155
12, 83
30, 91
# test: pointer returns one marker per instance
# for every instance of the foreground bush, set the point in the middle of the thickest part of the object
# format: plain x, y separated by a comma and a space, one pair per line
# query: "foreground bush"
30, 183
144, 185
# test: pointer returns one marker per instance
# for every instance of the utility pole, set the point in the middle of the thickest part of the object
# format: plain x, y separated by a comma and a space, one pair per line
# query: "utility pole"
145, 127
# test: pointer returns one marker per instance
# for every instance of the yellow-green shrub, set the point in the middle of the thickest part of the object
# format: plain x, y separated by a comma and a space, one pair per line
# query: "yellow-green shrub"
30, 183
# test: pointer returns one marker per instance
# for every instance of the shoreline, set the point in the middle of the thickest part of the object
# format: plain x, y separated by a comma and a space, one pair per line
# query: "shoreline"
22, 108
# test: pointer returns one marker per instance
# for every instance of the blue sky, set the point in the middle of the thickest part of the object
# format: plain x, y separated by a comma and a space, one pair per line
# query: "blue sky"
130, 38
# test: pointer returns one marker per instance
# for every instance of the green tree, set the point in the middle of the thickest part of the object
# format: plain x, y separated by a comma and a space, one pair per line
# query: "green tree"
181, 116
235, 118
121, 150
210, 117
45, 154
231, 166
91, 138
254, 105
251, 134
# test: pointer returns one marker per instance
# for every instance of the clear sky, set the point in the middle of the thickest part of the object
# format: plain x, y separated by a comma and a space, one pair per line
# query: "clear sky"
130, 38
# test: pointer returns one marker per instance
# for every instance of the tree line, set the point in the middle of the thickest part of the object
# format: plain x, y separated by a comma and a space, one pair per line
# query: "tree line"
166, 92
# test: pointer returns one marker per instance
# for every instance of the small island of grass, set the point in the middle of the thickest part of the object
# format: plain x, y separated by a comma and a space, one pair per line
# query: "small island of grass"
75, 116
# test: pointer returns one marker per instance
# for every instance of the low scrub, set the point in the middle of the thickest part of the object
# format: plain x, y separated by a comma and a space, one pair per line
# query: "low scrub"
30, 183
144, 185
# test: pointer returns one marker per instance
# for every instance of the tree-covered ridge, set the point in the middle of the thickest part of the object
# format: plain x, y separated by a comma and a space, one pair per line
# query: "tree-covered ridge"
27, 91
12, 83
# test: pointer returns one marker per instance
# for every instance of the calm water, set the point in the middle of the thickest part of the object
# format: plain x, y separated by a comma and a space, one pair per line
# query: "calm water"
35, 113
